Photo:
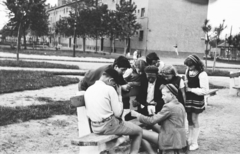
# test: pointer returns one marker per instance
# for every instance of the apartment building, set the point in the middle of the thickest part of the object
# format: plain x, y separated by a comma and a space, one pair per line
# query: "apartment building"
165, 24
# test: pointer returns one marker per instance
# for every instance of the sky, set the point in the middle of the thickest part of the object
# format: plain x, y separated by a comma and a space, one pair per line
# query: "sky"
227, 10
218, 10
3, 12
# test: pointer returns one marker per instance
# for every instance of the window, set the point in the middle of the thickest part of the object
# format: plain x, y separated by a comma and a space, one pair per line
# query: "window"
140, 35
142, 12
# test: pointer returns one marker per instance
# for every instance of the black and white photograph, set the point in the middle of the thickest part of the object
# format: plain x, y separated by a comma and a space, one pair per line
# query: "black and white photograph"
119, 76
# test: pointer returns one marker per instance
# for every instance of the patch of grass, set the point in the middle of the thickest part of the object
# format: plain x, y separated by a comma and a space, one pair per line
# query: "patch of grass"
61, 52
181, 70
31, 64
10, 115
11, 81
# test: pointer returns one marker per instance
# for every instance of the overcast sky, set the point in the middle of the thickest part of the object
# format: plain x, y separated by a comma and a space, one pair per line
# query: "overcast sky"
217, 11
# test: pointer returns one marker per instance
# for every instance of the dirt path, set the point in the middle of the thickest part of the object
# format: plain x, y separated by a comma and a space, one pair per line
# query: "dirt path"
220, 133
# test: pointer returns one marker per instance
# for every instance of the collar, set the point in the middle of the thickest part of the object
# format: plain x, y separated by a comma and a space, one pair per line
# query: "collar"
153, 82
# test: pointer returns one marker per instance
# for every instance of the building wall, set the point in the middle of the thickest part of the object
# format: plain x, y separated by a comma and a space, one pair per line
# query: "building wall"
165, 23
174, 22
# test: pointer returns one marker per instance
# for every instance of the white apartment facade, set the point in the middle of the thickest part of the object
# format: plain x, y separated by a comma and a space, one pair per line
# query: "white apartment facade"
165, 23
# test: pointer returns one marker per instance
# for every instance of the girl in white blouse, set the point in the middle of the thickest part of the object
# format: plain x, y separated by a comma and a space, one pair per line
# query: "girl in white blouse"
197, 84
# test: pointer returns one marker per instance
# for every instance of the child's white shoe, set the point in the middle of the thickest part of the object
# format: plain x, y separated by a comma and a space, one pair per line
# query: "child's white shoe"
193, 146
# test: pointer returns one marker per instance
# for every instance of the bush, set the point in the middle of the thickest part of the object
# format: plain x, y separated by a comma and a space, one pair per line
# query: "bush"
12, 81
14, 63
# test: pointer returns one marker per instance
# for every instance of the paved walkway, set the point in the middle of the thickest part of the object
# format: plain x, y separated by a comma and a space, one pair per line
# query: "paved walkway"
61, 59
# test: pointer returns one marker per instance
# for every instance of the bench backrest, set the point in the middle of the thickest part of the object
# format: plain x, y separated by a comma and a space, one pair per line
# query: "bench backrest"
83, 122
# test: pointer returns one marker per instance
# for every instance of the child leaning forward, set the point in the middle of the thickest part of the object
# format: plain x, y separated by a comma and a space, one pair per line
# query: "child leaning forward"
171, 118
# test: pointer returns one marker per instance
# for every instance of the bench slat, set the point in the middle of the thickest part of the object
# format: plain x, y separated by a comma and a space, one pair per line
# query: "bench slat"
234, 75
93, 139
236, 87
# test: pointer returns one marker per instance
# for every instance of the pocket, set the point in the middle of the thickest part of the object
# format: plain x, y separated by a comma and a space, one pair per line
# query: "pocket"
110, 126
167, 140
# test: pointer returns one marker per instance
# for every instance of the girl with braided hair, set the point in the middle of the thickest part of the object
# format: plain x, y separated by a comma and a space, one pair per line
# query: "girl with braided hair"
197, 84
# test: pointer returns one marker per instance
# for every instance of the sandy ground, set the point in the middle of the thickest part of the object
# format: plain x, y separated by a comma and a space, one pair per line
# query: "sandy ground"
220, 133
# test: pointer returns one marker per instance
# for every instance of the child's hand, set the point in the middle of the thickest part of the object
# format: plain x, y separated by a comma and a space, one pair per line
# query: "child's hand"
126, 87
135, 103
134, 113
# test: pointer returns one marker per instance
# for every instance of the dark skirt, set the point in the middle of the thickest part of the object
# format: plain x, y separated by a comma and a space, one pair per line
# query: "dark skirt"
194, 106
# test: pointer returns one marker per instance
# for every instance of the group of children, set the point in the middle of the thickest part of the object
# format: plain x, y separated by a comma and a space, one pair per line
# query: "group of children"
181, 95
162, 99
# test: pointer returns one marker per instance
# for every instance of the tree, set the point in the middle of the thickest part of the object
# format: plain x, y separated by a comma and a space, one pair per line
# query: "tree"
235, 41
98, 17
218, 30
112, 27
79, 20
27, 14
206, 29
127, 21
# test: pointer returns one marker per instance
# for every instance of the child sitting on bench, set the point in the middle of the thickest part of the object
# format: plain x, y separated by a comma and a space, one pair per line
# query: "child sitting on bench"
172, 135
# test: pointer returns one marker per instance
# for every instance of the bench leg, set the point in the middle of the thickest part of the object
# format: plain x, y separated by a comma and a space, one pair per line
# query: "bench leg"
89, 150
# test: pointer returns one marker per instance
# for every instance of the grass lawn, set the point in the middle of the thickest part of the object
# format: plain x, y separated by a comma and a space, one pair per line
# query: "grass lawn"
11, 81
32, 64
10, 115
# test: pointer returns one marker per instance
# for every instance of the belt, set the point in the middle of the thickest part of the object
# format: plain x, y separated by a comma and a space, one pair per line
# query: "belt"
151, 104
104, 120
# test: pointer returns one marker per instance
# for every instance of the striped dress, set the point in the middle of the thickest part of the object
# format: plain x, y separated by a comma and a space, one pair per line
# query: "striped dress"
194, 103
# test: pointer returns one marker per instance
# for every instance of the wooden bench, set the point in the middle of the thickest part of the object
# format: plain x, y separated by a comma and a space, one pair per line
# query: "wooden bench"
88, 142
234, 85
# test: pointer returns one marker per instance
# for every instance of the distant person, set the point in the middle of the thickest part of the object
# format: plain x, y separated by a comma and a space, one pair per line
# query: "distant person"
104, 108
136, 55
120, 64
153, 59
170, 75
197, 84
170, 120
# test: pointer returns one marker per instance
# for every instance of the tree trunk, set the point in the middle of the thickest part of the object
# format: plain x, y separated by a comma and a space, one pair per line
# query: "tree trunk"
74, 43
127, 47
206, 55
24, 38
84, 44
43, 42
111, 41
96, 42
19, 40
114, 45
215, 58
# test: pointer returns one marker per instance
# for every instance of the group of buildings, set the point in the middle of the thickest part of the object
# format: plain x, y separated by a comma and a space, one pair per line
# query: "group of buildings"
165, 26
